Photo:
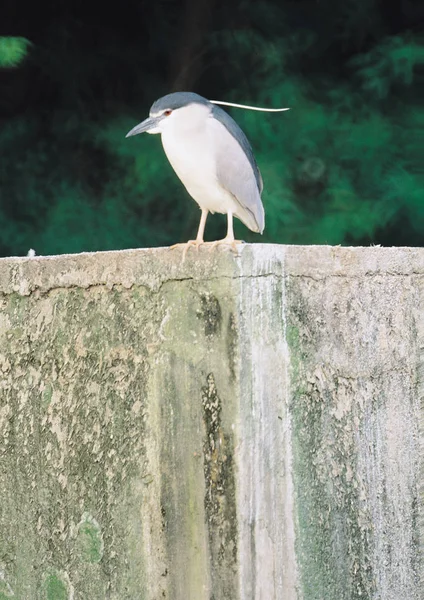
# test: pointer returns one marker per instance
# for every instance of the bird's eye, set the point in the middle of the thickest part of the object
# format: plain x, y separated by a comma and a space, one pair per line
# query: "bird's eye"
167, 112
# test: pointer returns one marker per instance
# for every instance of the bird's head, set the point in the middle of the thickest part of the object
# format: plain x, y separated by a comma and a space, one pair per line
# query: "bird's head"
182, 110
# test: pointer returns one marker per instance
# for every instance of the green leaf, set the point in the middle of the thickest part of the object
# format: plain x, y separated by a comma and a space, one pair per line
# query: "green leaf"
13, 50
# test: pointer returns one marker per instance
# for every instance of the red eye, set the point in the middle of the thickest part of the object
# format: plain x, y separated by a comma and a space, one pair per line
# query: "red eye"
167, 112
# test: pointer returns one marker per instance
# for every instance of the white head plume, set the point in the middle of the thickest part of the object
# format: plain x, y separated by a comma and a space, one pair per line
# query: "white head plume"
248, 107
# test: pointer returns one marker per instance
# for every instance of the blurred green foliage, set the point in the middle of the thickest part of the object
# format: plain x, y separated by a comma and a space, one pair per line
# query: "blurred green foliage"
343, 166
12, 50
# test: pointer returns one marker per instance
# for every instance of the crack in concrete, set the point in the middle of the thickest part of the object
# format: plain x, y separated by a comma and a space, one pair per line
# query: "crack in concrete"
158, 287
118, 285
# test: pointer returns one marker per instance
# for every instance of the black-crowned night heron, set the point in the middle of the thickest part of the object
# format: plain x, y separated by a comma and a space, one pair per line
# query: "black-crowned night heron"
212, 157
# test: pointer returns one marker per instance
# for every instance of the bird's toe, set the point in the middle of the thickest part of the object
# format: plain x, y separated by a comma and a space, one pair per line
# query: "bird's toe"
227, 241
186, 245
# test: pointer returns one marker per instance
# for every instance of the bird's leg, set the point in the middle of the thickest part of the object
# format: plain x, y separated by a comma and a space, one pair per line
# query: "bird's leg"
201, 230
199, 237
229, 238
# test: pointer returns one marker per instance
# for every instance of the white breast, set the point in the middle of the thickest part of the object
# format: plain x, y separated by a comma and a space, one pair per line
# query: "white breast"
190, 150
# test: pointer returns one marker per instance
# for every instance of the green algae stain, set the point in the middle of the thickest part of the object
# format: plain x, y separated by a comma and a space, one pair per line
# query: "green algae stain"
5, 588
6, 591
232, 345
46, 396
56, 588
90, 539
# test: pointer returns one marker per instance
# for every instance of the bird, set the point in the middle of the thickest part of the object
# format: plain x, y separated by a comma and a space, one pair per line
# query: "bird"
212, 157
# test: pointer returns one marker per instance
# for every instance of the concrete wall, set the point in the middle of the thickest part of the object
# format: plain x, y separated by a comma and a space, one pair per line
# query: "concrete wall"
234, 427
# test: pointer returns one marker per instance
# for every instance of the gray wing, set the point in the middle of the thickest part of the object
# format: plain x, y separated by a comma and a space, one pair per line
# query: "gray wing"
240, 136
238, 172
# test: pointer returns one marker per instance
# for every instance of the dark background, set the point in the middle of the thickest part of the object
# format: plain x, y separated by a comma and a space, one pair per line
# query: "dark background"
343, 166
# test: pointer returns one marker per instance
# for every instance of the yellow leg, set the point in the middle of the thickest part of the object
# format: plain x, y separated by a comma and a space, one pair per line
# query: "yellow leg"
199, 237
227, 241
229, 238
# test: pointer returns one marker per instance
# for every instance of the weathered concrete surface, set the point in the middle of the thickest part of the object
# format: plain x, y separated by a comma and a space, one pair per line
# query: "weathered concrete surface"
229, 428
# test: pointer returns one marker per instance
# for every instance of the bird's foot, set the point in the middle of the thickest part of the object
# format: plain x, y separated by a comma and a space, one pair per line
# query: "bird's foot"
227, 241
186, 245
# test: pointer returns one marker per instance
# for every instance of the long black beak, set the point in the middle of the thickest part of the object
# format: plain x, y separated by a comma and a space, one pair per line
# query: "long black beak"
146, 125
